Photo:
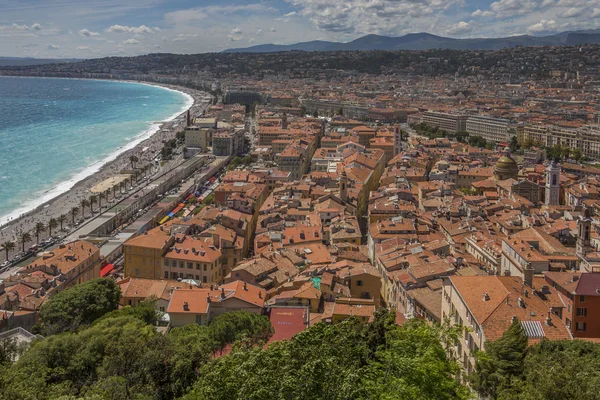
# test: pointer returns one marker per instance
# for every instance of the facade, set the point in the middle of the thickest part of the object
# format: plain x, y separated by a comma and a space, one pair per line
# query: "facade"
448, 122
489, 128
198, 137
487, 305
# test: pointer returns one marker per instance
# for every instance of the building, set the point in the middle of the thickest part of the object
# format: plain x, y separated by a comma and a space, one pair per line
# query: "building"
489, 128
579, 291
487, 305
190, 258
78, 262
553, 184
198, 137
143, 254
200, 305
228, 143
448, 122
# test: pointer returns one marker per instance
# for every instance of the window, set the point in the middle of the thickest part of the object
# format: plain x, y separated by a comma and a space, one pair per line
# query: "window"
190, 265
204, 279
580, 326
198, 266
197, 277
166, 274
359, 283
204, 267
181, 265
582, 312
582, 299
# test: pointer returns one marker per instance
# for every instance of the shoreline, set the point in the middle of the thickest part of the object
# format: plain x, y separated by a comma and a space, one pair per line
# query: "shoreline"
68, 193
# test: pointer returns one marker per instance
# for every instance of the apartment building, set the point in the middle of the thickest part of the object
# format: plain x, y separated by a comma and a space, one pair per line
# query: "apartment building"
488, 305
489, 128
195, 136
445, 121
585, 138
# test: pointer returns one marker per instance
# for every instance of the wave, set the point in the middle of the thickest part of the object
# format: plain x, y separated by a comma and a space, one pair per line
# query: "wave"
43, 196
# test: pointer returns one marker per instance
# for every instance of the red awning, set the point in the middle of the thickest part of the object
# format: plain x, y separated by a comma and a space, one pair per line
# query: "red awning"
106, 270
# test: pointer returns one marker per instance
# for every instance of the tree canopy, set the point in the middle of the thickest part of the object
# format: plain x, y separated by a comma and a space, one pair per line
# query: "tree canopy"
79, 306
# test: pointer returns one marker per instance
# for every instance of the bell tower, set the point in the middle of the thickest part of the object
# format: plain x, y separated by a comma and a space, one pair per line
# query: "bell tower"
584, 227
553, 184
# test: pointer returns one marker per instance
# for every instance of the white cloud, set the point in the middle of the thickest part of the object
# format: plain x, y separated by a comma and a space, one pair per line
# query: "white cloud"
83, 48
251, 40
179, 39
236, 31
480, 13
459, 29
272, 29
290, 14
374, 16
131, 41
191, 16
132, 29
87, 33
543, 26
24, 27
573, 12
53, 47
234, 38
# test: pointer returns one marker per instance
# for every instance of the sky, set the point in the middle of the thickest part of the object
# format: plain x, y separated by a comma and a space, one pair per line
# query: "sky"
98, 28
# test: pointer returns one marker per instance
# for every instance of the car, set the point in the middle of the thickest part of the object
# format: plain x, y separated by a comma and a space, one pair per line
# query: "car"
5, 264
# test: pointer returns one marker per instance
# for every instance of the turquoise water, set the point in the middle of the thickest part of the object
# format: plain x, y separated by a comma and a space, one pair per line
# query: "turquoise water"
55, 132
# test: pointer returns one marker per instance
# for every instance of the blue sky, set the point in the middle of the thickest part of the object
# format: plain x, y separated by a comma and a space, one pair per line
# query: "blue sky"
95, 28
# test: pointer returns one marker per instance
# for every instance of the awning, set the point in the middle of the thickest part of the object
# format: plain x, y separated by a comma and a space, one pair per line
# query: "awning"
106, 270
165, 219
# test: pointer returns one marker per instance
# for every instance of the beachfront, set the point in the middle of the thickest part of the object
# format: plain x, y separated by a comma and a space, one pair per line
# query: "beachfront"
62, 205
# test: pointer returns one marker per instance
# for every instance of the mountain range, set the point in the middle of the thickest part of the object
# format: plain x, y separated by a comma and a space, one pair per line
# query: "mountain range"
26, 61
427, 41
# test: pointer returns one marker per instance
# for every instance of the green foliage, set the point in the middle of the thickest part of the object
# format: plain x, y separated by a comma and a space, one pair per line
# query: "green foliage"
144, 311
470, 191
79, 306
192, 346
232, 326
349, 360
514, 144
501, 367
208, 200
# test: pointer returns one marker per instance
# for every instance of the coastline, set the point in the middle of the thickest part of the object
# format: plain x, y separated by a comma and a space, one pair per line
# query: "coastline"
59, 200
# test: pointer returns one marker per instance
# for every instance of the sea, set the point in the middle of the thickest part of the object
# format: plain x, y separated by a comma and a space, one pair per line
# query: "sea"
55, 132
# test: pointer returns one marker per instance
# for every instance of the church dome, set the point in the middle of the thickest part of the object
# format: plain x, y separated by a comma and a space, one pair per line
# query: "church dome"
506, 168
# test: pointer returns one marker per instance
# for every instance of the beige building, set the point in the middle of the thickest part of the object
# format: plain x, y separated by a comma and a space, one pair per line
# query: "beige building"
445, 121
196, 136
489, 128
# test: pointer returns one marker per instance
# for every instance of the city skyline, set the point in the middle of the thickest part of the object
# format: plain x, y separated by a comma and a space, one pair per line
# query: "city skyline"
75, 29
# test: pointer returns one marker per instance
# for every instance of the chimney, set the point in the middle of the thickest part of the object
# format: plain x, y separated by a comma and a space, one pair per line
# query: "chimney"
521, 302
259, 294
245, 286
222, 293
486, 297
188, 118
548, 320
172, 288
185, 306
208, 300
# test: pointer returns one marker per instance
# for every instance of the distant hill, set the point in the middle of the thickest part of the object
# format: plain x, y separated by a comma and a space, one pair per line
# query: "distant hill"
19, 62
427, 41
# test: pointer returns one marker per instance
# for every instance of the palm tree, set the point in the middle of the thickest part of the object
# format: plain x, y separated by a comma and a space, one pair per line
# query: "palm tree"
114, 190
100, 197
24, 237
121, 185
8, 246
39, 228
93, 200
133, 160
52, 223
74, 212
84, 203
61, 220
